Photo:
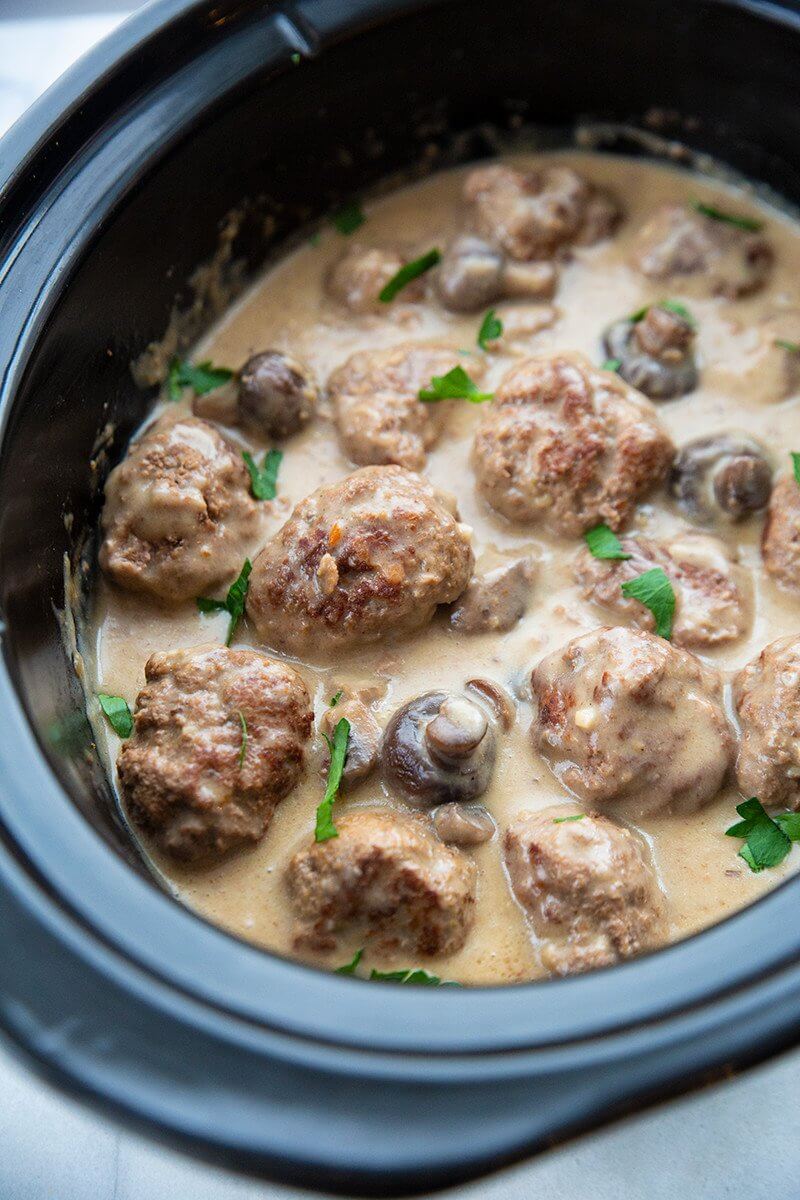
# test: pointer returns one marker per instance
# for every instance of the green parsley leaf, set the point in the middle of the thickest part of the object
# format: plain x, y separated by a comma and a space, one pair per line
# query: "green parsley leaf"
708, 210
604, 543
491, 329
325, 827
233, 603
795, 465
455, 385
348, 219
117, 713
655, 592
243, 747
350, 968
572, 817
263, 479
767, 842
204, 377
334, 700
411, 270
413, 975
295, 57
611, 364
792, 347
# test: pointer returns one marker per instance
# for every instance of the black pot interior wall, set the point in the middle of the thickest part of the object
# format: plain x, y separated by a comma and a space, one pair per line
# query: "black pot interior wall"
295, 140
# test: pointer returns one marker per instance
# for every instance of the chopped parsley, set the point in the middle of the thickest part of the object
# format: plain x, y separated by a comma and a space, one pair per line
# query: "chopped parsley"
795, 465
750, 224
243, 747
412, 270
414, 975
455, 385
654, 590
611, 364
204, 377
767, 841
325, 827
334, 700
572, 817
348, 219
792, 347
491, 329
295, 57
263, 479
117, 714
604, 543
350, 968
673, 306
233, 604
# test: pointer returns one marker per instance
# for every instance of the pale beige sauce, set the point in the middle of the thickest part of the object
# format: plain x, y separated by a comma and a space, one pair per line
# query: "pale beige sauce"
287, 309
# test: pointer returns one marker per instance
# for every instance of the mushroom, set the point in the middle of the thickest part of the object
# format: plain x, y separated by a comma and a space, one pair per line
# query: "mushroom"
463, 824
276, 394
362, 743
496, 601
654, 351
474, 274
438, 748
726, 474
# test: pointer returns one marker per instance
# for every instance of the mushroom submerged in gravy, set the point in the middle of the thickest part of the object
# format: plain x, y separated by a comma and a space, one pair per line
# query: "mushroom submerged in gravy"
449, 603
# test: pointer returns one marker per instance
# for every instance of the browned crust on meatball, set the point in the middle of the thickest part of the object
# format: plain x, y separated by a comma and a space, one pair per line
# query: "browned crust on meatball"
366, 558
780, 539
182, 773
387, 876
178, 516
361, 274
568, 445
767, 697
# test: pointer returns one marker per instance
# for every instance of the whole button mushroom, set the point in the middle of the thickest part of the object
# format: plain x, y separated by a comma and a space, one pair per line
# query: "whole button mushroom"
654, 351
276, 394
725, 475
474, 274
438, 748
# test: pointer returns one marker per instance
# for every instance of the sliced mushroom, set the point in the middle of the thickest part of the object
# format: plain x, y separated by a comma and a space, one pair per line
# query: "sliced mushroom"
463, 824
276, 394
494, 602
439, 748
655, 353
725, 475
474, 274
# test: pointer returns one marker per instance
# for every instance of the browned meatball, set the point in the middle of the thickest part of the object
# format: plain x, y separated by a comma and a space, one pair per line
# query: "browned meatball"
388, 877
713, 257
767, 697
588, 886
379, 416
178, 517
712, 599
533, 214
363, 559
629, 721
190, 777
362, 273
780, 540
569, 445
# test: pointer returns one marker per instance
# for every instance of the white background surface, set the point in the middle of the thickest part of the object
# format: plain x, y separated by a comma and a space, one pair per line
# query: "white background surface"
739, 1139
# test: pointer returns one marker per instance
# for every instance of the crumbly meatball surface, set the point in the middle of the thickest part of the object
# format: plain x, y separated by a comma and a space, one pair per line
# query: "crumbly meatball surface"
379, 416
178, 515
588, 886
388, 877
186, 779
627, 720
366, 558
361, 274
711, 257
767, 697
713, 604
533, 214
780, 539
568, 445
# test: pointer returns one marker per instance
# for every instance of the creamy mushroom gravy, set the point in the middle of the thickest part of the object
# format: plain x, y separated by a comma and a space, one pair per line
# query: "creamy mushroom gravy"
287, 309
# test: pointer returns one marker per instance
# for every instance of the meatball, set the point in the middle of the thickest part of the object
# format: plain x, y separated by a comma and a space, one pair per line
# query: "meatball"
588, 886
762, 360
218, 740
359, 277
366, 558
767, 697
387, 876
496, 601
780, 540
533, 214
712, 600
178, 516
713, 257
627, 720
379, 415
568, 445
655, 352
277, 396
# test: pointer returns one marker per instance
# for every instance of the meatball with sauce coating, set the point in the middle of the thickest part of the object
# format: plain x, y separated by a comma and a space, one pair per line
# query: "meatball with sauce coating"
178, 516
630, 722
712, 602
192, 779
366, 558
767, 697
780, 539
387, 877
569, 445
588, 886
361, 274
379, 416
